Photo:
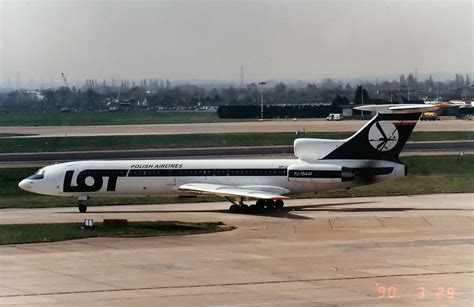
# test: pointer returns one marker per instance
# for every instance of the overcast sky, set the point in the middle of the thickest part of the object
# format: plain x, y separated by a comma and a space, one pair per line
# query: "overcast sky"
210, 40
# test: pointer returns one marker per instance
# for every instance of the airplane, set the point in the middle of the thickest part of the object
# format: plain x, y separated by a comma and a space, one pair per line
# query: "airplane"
369, 156
451, 102
461, 102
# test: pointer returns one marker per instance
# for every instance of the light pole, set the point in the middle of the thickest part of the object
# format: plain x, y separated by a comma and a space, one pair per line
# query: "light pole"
261, 98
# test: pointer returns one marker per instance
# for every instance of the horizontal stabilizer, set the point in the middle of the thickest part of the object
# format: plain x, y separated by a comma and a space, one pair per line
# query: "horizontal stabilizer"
384, 136
403, 108
232, 191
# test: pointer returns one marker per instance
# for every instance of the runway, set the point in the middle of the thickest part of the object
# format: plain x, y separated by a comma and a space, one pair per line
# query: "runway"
397, 251
226, 127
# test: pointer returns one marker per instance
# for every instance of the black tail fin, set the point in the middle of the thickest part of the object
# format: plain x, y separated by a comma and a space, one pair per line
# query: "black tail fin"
383, 138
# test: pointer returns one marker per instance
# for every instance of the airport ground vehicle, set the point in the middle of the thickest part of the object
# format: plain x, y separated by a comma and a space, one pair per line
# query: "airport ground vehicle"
429, 116
334, 116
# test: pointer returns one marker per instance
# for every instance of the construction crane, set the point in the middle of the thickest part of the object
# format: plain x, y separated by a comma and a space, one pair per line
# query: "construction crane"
65, 80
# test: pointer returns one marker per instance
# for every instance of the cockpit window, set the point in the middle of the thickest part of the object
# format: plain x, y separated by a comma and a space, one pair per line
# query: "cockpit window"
38, 175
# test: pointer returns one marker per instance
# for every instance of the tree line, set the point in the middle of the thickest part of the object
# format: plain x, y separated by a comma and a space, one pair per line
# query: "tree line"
153, 94
283, 111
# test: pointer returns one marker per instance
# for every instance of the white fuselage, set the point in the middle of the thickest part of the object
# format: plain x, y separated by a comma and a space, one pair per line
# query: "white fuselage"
163, 177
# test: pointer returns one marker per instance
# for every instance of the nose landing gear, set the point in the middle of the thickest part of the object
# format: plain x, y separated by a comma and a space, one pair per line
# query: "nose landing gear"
81, 204
82, 208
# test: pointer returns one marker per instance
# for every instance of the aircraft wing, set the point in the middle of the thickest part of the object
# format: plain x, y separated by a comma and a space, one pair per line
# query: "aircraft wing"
404, 108
258, 192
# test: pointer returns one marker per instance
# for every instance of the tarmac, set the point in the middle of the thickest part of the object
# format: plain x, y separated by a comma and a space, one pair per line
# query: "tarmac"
301, 126
395, 251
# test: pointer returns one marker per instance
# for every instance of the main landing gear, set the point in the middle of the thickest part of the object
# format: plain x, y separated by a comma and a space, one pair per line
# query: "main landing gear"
260, 206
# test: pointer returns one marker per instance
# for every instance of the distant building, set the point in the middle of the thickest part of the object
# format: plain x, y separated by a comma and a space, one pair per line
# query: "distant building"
35, 95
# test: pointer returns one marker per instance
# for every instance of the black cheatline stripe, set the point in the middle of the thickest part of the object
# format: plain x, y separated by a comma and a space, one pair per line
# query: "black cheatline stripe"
339, 174
207, 172
314, 174
105, 172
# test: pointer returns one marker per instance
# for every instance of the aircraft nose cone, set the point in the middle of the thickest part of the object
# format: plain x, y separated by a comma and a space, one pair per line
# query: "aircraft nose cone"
24, 185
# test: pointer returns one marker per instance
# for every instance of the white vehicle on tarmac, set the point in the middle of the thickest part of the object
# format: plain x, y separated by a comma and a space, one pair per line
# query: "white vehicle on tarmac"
334, 116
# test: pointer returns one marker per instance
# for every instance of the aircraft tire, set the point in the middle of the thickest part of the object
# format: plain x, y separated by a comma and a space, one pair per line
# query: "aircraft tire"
234, 209
260, 203
270, 204
279, 203
82, 208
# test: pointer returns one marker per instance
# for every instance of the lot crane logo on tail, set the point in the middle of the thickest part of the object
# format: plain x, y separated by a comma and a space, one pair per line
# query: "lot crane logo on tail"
383, 135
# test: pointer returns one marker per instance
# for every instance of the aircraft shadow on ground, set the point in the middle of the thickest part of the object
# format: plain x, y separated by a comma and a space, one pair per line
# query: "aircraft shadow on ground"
288, 212
379, 209
285, 212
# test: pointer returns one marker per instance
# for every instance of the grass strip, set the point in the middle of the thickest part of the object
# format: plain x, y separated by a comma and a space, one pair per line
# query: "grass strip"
8, 135
107, 118
427, 175
129, 142
35, 233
